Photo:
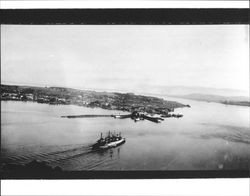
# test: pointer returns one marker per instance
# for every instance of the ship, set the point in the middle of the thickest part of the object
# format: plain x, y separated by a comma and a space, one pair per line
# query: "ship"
110, 141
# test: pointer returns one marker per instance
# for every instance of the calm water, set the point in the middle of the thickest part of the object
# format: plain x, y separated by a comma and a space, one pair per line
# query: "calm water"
209, 136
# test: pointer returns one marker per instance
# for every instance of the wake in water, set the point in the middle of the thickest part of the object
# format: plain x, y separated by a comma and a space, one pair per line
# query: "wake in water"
74, 157
228, 133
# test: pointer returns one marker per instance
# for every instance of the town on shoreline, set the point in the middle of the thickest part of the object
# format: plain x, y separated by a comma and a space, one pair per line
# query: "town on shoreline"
106, 100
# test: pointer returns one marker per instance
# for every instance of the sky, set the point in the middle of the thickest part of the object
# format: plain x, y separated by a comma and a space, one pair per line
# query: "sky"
125, 56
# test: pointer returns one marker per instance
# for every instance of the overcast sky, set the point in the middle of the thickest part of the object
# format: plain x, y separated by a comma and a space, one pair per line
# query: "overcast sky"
113, 56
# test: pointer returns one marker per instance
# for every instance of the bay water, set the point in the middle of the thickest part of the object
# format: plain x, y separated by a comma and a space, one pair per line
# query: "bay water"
210, 136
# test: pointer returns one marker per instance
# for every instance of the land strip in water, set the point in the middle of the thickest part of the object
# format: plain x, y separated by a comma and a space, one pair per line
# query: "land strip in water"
107, 100
227, 100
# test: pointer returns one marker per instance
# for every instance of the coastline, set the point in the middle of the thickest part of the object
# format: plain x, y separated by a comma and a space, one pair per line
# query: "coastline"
128, 102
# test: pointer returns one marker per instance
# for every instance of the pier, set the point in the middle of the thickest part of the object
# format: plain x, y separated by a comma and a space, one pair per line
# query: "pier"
86, 116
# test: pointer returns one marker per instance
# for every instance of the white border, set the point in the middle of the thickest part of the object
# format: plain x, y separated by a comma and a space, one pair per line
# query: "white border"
194, 187
187, 187
19, 4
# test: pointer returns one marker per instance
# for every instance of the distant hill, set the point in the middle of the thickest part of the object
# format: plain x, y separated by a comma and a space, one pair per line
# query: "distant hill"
186, 90
230, 100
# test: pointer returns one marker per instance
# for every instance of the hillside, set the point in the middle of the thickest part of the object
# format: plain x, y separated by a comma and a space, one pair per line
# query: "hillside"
106, 100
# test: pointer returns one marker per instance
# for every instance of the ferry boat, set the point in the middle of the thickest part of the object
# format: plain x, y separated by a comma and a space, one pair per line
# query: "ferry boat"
110, 141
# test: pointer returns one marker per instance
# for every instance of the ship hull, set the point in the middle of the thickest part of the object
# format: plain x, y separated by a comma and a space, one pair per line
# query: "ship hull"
110, 145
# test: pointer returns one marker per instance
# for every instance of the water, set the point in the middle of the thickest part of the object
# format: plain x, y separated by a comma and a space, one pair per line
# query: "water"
210, 136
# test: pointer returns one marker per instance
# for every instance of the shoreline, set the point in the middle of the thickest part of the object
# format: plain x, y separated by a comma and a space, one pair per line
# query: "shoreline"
126, 102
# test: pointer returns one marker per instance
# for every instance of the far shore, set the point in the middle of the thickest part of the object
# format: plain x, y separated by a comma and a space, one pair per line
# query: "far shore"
234, 100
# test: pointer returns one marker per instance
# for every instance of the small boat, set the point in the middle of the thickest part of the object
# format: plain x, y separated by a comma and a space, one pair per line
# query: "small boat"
111, 141
117, 116
177, 115
137, 119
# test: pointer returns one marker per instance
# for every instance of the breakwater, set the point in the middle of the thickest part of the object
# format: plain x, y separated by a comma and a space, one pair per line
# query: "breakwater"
86, 116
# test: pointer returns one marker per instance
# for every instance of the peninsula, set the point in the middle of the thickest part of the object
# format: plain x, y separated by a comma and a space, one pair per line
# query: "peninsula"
106, 100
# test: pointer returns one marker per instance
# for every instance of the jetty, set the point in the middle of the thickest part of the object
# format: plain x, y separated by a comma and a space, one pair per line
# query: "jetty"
86, 116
